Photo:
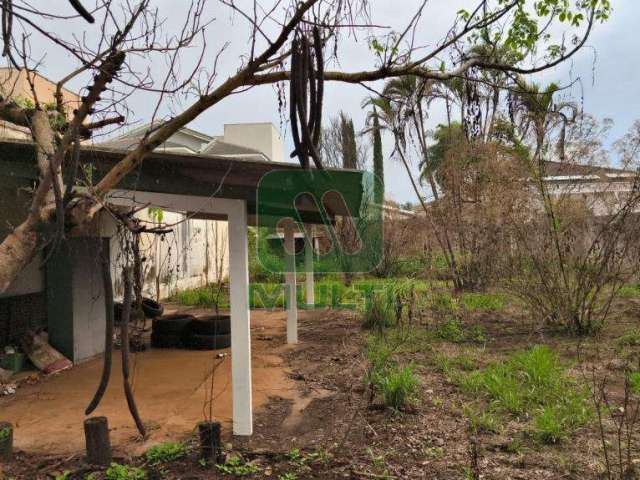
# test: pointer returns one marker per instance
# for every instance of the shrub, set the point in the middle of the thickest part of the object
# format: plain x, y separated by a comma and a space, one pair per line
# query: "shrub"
124, 472
166, 452
452, 331
379, 312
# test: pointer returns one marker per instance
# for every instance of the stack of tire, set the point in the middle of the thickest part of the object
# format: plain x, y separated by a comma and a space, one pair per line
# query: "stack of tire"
211, 332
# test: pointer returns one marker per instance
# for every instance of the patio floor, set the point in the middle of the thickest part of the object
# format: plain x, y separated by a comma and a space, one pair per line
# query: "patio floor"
170, 388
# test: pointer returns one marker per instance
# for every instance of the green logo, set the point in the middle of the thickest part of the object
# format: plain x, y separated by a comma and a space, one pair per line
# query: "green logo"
332, 213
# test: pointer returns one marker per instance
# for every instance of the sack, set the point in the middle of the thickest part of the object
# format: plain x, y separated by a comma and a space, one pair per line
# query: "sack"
42, 355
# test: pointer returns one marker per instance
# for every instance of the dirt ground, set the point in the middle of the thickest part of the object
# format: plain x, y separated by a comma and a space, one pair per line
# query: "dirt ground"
170, 388
313, 419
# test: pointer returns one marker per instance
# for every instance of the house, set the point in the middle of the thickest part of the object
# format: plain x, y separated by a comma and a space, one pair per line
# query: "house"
195, 253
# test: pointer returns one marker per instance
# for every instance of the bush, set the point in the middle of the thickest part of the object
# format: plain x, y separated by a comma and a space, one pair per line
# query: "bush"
166, 452
124, 472
533, 383
452, 331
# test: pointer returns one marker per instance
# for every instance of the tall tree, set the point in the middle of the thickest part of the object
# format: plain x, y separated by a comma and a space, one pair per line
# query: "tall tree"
378, 159
349, 148
127, 39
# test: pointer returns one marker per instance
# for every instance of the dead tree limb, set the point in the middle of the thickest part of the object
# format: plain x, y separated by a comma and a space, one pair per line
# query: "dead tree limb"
108, 335
124, 337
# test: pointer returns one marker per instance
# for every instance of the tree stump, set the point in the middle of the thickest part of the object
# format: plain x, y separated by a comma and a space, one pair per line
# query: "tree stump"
210, 441
96, 432
6, 442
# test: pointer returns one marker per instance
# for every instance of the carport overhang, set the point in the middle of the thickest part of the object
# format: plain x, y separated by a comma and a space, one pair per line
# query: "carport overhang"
206, 187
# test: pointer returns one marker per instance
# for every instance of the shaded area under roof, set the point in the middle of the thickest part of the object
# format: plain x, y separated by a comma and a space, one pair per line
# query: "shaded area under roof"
180, 174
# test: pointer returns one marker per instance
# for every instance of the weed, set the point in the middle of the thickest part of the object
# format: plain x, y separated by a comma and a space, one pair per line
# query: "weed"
482, 302
378, 312
166, 452
451, 331
63, 476
287, 476
4, 433
124, 472
629, 291
92, 476
630, 339
443, 304
484, 421
533, 383
236, 466
295, 456
433, 452
398, 385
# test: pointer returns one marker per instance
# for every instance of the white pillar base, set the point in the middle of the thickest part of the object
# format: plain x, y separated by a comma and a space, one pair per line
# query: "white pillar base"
240, 320
292, 306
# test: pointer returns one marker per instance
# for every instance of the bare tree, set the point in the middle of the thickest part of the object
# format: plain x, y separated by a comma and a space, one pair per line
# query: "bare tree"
127, 31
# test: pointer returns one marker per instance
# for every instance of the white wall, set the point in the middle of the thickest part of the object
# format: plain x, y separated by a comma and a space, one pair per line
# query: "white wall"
263, 137
193, 254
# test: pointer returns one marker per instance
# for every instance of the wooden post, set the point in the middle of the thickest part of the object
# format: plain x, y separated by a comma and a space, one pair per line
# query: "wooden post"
96, 432
210, 441
308, 268
6, 442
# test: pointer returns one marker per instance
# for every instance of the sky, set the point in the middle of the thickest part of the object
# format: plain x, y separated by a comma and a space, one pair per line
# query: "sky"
606, 73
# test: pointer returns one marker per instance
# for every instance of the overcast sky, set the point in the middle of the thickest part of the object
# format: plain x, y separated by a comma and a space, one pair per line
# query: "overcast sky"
608, 71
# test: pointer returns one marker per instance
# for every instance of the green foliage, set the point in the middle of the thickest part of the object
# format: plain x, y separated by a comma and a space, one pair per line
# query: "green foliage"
451, 331
63, 476
124, 472
398, 385
4, 433
630, 339
629, 291
287, 476
166, 452
92, 476
533, 383
483, 421
482, 302
156, 214
379, 312
236, 466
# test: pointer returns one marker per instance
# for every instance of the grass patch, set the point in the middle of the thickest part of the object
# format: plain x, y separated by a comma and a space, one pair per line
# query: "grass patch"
124, 472
482, 302
454, 330
378, 312
630, 339
396, 384
532, 384
166, 452
630, 291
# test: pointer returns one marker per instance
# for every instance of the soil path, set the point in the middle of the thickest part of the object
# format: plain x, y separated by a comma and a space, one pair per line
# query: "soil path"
170, 389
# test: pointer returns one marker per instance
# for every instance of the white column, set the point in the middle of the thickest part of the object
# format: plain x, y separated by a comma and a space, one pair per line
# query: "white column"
240, 320
292, 307
308, 268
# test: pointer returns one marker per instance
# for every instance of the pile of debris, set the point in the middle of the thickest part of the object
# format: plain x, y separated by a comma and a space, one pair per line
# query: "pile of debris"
34, 346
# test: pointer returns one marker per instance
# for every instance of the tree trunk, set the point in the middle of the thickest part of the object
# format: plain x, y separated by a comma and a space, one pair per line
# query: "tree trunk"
96, 433
6, 442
